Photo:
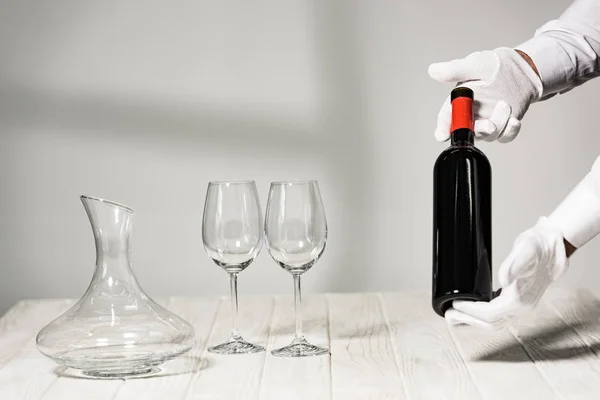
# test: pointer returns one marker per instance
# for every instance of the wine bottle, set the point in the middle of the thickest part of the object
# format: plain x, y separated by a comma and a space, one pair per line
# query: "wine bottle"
462, 213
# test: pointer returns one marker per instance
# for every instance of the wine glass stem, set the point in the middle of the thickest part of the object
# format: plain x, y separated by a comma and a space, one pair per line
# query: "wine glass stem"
235, 334
298, 306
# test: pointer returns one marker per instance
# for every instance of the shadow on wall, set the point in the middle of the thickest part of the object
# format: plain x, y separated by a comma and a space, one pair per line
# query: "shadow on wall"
339, 138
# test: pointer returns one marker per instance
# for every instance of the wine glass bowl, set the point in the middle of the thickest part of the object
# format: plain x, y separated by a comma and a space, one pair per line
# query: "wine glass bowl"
296, 252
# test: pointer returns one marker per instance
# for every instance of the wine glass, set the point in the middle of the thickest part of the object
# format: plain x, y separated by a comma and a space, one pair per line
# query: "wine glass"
232, 233
296, 232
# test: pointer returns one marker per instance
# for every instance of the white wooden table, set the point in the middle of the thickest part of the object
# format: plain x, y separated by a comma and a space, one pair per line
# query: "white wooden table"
383, 346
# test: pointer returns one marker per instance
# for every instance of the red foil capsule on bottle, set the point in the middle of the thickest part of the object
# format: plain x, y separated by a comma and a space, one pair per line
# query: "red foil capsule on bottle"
462, 114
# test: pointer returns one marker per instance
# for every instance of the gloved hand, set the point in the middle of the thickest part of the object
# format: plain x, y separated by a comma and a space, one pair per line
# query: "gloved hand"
504, 85
537, 259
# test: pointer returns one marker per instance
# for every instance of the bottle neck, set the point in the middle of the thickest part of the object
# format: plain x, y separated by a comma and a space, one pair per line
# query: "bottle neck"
462, 137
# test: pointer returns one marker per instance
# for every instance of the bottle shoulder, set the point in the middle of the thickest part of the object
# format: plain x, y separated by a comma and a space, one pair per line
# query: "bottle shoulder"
454, 153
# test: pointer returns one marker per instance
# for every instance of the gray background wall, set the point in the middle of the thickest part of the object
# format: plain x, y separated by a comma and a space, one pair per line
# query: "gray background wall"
144, 102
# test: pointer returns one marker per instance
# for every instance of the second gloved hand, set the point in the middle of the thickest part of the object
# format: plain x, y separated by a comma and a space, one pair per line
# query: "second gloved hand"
537, 259
504, 85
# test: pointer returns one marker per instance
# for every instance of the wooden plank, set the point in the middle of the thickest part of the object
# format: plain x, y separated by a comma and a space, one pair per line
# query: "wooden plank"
431, 364
377, 395
370, 394
581, 311
297, 378
362, 353
27, 374
234, 376
495, 358
69, 386
562, 356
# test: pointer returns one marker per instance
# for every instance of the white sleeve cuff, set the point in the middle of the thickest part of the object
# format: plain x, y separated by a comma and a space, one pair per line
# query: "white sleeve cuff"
566, 51
578, 216
552, 62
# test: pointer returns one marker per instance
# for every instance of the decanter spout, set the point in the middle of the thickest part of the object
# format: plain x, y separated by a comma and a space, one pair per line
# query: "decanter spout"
111, 223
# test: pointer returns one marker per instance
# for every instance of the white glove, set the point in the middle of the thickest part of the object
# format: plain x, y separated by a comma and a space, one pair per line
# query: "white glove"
537, 259
504, 86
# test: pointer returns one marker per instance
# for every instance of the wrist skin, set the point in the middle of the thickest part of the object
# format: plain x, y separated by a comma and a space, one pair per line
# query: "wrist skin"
529, 60
569, 248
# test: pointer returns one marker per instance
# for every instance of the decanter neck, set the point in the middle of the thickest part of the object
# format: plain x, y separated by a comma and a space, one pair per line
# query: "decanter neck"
112, 225
112, 256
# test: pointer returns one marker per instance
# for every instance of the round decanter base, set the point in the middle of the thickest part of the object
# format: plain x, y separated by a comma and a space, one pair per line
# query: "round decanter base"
118, 362
135, 373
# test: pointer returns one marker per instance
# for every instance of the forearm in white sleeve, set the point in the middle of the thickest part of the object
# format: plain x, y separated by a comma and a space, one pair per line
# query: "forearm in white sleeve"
566, 51
578, 216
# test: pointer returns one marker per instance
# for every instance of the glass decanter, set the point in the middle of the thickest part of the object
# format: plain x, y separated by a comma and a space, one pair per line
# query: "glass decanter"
115, 329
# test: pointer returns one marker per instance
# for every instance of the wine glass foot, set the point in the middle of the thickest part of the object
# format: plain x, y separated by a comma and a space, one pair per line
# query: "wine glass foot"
236, 346
300, 348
